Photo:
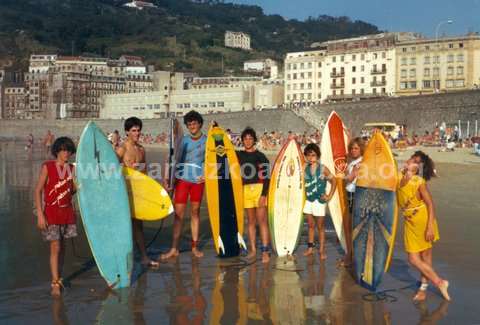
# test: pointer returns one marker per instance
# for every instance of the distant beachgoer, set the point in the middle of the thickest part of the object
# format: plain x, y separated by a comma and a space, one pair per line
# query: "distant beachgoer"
132, 154
56, 216
255, 174
48, 141
190, 184
29, 146
420, 221
316, 178
114, 138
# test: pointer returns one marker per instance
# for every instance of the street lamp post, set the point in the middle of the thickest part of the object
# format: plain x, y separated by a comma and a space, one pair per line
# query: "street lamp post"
449, 21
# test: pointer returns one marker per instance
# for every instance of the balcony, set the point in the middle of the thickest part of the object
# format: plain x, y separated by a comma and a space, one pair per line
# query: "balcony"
338, 74
378, 71
337, 86
378, 83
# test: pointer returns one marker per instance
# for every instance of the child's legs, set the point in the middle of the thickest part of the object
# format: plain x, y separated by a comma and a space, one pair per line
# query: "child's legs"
137, 226
55, 248
252, 221
311, 228
321, 232
427, 271
261, 214
426, 256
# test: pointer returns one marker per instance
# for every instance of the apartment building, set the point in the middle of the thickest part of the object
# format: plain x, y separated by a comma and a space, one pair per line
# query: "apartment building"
237, 40
438, 65
303, 76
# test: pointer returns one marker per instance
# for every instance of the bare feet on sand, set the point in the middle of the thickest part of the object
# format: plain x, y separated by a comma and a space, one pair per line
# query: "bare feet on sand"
251, 255
308, 251
443, 287
265, 257
172, 253
323, 255
197, 253
421, 295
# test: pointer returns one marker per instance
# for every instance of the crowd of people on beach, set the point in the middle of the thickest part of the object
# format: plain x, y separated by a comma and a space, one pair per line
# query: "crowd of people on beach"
56, 217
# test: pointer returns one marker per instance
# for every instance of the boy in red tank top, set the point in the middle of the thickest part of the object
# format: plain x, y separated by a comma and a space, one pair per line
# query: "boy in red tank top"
56, 216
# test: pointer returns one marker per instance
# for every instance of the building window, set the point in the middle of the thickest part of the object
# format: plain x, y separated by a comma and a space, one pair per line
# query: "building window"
302, 65
404, 49
427, 84
309, 85
294, 86
413, 60
294, 76
375, 55
220, 104
362, 68
374, 90
289, 66
319, 75
334, 59
426, 60
302, 75
288, 97
384, 90
436, 59
288, 87
460, 58
342, 58
288, 76
319, 64
450, 46
460, 45
403, 85
212, 104
354, 68
309, 74
413, 73
450, 58
186, 105
450, 83
459, 71
436, 72
413, 48
384, 55
362, 80
362, 56
460, 83
354, 57
403, 73
309, 96
403, 61
353, 81
353, 91
412, 85
426, 72
450, 71
309, 65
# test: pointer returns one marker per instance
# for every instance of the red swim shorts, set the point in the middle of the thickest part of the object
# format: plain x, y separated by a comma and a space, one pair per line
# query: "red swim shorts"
183, 189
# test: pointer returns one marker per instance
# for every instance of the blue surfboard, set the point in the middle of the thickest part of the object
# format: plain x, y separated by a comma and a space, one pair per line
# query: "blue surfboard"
104, 206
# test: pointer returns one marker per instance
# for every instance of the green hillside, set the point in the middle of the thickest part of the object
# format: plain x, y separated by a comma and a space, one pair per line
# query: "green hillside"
179, 34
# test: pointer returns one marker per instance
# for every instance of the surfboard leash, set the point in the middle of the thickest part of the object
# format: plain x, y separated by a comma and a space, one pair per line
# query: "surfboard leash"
385, 295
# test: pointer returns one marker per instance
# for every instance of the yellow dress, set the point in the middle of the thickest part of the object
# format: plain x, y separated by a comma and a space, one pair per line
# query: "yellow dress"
415, 214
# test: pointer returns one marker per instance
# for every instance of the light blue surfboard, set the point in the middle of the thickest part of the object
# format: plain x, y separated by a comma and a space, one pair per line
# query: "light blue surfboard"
104, 207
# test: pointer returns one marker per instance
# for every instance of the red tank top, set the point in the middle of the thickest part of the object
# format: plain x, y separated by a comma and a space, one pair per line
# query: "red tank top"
57, 194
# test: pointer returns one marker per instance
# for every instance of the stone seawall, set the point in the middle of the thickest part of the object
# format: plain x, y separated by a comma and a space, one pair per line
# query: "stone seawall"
418, 113
261, 121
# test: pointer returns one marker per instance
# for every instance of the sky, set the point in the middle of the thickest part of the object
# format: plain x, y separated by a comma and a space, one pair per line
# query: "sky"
402, 15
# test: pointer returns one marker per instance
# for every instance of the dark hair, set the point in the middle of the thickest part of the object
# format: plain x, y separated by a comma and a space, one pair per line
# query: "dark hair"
312, 147
131, 122
193, 116
428, 166
63, 143
359, 142
249, 131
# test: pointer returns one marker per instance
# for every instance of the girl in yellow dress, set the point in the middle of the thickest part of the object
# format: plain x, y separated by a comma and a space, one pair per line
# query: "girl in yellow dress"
421, 229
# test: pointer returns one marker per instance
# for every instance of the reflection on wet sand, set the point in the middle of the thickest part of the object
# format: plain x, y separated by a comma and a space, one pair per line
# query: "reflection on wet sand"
428, 317
348, 306
59, 312
115, 308
258, 301
287, 304
316, 303
185, 308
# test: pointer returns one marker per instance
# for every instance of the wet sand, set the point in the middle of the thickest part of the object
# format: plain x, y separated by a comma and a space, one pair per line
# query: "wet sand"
211, 291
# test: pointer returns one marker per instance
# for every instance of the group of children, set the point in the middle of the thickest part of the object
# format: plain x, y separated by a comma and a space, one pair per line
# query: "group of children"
56, 216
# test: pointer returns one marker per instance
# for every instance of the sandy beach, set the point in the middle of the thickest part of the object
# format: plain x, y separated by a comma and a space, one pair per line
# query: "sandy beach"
217, 292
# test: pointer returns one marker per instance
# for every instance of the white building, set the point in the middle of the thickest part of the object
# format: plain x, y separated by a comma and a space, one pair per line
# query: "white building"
171, 101
346, 69
303, 76
268, 68
140, 5
237, 40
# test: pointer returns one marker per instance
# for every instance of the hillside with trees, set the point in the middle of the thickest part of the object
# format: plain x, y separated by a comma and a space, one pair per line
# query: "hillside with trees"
178, 34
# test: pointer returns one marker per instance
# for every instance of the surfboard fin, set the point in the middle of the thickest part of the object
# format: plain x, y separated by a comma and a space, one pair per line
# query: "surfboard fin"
241, 242
220, 245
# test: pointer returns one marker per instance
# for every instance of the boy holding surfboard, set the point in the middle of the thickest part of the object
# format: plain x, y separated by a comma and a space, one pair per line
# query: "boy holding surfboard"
132, 154
255, 175
316, 178
190, 183
56, 217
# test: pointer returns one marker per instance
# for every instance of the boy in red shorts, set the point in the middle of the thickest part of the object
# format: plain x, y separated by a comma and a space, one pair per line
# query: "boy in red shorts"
56, 217
190, 182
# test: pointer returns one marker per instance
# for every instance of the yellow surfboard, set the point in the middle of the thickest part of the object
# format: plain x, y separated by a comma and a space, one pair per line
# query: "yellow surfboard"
224, 190
148, 199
